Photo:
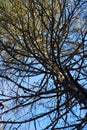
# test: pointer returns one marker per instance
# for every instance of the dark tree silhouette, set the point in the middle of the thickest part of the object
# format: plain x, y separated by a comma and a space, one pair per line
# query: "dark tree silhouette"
43, 59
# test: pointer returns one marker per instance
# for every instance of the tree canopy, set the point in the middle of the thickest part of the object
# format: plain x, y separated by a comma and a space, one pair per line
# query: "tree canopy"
43, 63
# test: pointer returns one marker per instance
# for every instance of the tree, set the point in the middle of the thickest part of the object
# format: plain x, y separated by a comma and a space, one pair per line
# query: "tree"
43, 59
